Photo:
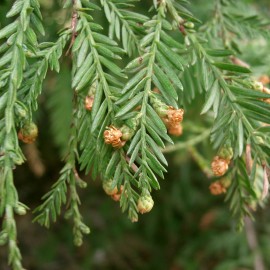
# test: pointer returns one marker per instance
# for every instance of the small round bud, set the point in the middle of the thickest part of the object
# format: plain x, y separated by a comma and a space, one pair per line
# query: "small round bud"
175, 130
161, 110
116, 197
145, 204
113, 136
219, 166
20, 210
127, 133
84, 229
81, 183
189, 25
259, 140
109, 188
226, 182
20, 112
175, 115
226, 153
28, 133
217, 188
88, 103
258, 86
134, 219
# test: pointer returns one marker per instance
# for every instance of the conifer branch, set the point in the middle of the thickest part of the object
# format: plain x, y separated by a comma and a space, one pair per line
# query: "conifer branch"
234, 26
48, 57
147, 128
20, 39
125, 24
69, 179
227, 85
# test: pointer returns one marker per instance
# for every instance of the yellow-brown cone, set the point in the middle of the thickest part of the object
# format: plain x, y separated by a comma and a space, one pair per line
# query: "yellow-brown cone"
28, 133
219, 166
217, 188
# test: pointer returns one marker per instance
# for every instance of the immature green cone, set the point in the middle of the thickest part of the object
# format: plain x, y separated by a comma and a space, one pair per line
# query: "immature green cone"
226, 153
28, 133
258, 86
189, 25
145, 204
108, 187
20, 210
20, 111
159, 106
226, 182
127, 133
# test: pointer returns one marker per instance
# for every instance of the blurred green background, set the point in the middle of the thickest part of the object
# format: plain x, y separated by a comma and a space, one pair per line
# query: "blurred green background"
188, 229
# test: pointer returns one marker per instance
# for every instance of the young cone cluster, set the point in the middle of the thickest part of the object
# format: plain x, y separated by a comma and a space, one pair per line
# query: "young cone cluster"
112, 190
171, 116
145, 204
117, 137
220, 186
173, 121
216, 188
220, 163
112, 136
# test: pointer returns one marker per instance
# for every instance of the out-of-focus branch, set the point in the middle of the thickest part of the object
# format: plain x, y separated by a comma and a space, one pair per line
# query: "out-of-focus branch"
253, 244
185, 145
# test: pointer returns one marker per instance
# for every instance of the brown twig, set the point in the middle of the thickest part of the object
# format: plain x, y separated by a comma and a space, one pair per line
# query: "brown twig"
239, 62
265, 183
133, 166
249, 161
73, 26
